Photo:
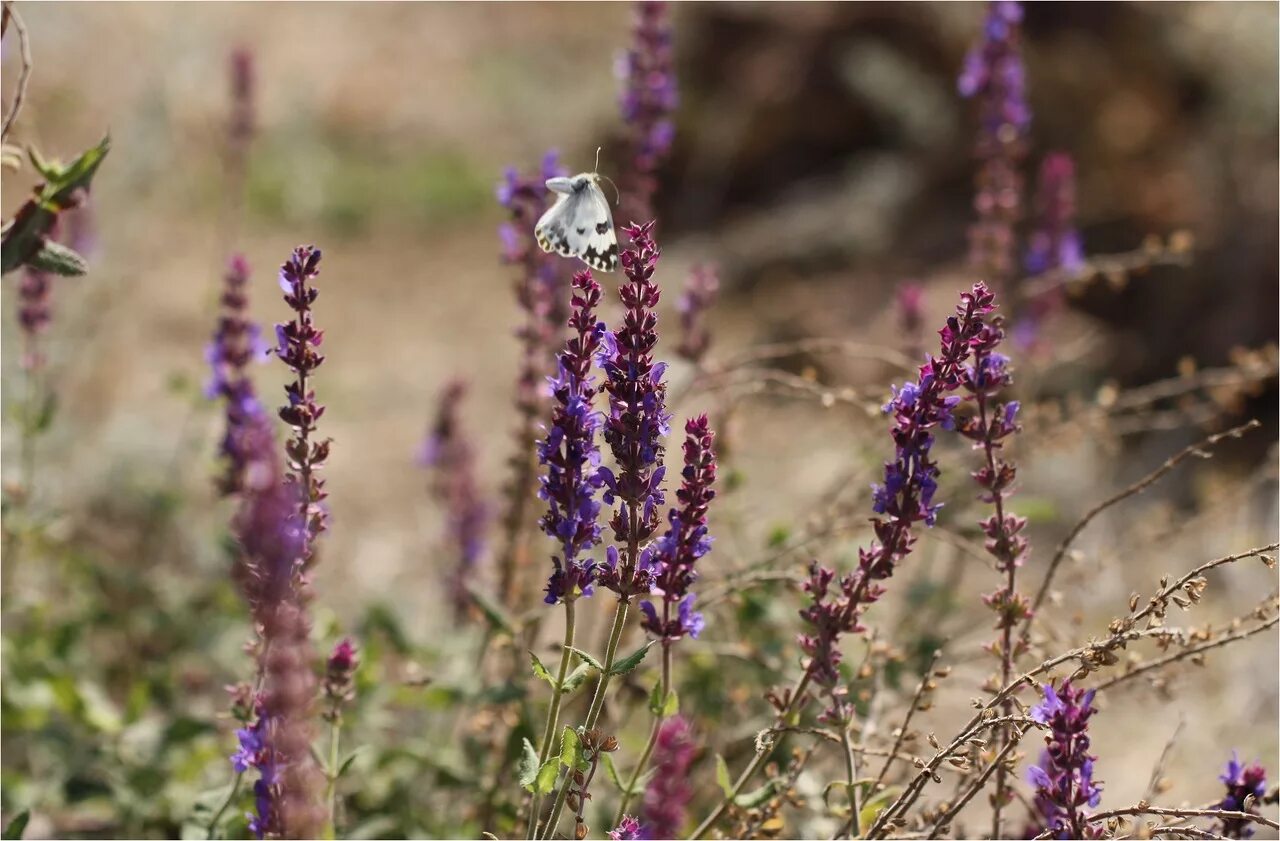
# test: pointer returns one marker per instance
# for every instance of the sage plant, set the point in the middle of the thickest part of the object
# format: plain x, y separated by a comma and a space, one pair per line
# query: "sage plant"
647, 100
1064, 777
450, 456
700, 293
988, 427
1054, 242
994, 75
1246, 785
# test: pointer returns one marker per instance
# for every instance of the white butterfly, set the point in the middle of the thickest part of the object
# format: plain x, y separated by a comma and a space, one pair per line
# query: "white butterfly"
579, 224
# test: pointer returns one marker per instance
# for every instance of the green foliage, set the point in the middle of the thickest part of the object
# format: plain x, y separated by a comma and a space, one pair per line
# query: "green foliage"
25, 237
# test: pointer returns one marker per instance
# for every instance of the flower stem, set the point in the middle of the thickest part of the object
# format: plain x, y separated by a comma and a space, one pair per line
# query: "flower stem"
226, 803
851, 770
597, 704
643, 764
331, 791
553, 713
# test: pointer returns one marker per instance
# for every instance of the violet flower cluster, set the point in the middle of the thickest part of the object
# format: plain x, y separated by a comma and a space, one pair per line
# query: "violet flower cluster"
450, 456
243, 117
35, 291
237, 341
539, 288
904, 499
677, 551
296, 344
339, 678
1246, 785
647, 100
1064, 778
637, 420
700, 293
666, 798
1054, 243
569, 452
993, 73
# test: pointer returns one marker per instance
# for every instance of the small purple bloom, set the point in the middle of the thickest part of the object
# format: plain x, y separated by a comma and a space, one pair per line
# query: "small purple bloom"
1246, 785
628, 829
667, 797
1064, 777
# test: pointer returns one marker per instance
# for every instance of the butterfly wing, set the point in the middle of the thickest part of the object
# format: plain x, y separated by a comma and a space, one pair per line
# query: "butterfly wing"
595, 227
580, 225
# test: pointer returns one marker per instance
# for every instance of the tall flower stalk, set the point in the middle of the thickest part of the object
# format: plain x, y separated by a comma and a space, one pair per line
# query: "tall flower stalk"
666, 798
297, 343
539, 290
987, 428
994, 75
449, 454
647, 100
339, 690
1054, 242
674, 572
634, 429
571, 458
1064, 778
905, 498
700, 294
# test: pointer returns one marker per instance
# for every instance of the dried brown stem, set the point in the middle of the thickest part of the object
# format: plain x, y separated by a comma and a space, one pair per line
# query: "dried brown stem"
24, 74
944, 820
1189, 652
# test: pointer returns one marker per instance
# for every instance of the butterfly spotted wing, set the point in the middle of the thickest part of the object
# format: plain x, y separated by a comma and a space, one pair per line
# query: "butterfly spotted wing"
579, 224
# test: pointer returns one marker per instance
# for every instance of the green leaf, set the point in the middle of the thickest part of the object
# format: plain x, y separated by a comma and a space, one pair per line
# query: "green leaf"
346, 763
528, 765
722, 776
629, 663
547, 774
663, 707
540, 670
26, 236
56, 258
612, 771
493, 613
18, 825
570, 749
578, 677
875, 804
752, 799
44, 419
588, 659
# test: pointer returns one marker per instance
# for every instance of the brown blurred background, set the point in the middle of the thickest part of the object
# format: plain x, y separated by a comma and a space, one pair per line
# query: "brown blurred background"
822, 157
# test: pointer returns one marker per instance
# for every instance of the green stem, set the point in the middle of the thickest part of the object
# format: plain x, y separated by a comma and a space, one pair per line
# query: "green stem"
331, 792
226, 804
553, 714
597, 704
851, 769
643, 764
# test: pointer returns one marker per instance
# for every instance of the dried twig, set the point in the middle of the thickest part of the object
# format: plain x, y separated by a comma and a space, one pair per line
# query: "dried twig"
24, 74
906, 721
944, 820
1188, 652
1144, 809
1197, 449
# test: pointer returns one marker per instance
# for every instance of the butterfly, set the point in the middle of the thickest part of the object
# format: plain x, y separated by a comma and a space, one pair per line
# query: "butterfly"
580, 223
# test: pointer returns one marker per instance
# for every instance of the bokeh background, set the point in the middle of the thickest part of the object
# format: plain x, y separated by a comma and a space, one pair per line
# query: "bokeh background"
822, 159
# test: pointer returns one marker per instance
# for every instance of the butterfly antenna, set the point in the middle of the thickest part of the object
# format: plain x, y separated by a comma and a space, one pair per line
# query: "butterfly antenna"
597, 169
617, 194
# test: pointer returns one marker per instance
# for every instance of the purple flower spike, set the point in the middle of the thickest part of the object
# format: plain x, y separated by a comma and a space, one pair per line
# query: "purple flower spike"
904, 499
569, 452
993, 74
685, 541
449, 454
666, 799
700, 295
296, 344
248, 443
638, 419
1246, 785
1054, 243
648, 99
1064, 778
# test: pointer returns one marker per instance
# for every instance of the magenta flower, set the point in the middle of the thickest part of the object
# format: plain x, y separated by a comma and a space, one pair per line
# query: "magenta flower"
628, 829
676, 552
666, 798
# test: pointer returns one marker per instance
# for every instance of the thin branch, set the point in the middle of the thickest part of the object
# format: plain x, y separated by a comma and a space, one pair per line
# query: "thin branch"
944, 820
1123, 263
1136, 488
1188, 652
24, 74
906, 722
1220, 814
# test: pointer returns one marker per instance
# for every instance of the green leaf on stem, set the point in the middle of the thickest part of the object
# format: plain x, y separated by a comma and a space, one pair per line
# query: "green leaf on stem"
540, 670
752, 799
629, 663
722, 776
570, 749
577, 678
528, 765
588, 659
18, 825
663, 707
546, 782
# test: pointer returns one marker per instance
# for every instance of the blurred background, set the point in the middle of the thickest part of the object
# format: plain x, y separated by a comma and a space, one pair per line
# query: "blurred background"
821, 159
